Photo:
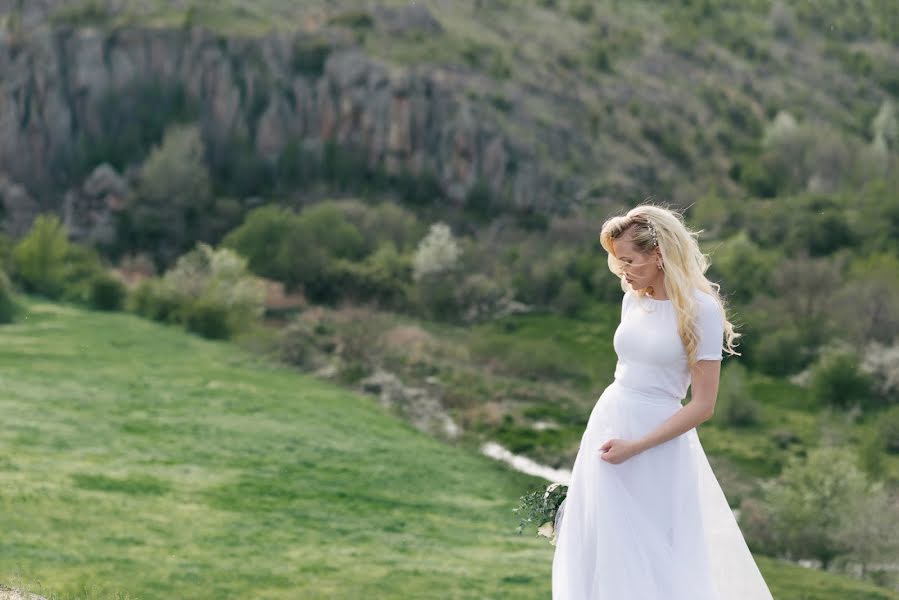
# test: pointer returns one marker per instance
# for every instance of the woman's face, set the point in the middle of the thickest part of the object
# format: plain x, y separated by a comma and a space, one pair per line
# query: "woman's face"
640, 270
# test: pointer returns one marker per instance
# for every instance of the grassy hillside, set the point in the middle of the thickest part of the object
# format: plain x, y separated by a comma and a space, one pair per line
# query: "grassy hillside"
144, 460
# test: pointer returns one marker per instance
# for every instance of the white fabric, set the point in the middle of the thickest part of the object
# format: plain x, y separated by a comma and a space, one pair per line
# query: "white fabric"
651, 356
657, 526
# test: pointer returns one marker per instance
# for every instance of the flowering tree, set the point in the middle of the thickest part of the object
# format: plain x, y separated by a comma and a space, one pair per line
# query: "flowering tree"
435, 270
437, 253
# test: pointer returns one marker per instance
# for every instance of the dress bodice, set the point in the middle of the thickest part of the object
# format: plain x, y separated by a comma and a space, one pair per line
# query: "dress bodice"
651, 356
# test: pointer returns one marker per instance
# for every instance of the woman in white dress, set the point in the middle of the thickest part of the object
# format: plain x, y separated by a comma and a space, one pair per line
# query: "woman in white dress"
644, 517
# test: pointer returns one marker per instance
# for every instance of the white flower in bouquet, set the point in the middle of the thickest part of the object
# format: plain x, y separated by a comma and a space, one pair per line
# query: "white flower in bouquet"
547, 530
542, 506
550, 488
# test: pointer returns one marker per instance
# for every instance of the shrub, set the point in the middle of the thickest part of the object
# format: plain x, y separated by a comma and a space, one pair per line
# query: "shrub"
361, 344
383, 277
871, 455
481, 202
8, 305
355, 19
582, 11
299, 250
806, 156
82, 265
881, 362
152, 301
96, 13
867, 527
296, 344
838, 380
6, 248
783, 437
107, 293
804, 507
383, 223
776, 352
540, 277
735, 405
208, 318
46, 263
261, 240
571, 298
889, 429
481, 297
209, 291
742, 267
39, 259
436, 297
206, 276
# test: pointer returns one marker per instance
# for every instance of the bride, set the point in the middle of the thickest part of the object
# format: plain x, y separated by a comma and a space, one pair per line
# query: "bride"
644, 516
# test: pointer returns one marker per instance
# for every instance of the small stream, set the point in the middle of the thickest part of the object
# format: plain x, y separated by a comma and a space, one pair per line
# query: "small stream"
525, 464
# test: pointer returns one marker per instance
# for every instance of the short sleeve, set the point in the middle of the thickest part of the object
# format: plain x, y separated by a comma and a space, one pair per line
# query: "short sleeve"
711, 330
626, 302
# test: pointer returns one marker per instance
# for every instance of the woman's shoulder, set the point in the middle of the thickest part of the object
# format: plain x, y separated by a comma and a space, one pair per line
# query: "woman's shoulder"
703, 296
706, 303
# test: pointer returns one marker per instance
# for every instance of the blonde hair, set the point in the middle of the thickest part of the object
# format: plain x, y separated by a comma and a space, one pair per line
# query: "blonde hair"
683, 261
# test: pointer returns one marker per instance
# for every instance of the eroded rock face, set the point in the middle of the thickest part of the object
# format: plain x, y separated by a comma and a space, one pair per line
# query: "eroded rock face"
17, 208
89, 211
420, 406
274, 90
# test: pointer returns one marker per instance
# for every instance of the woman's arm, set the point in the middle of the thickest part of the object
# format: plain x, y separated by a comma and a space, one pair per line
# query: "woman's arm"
704, 392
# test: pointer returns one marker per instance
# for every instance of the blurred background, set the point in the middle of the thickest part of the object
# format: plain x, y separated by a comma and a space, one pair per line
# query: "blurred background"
299, 298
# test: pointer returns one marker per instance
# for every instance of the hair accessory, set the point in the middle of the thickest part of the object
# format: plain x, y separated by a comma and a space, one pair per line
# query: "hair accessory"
652, 231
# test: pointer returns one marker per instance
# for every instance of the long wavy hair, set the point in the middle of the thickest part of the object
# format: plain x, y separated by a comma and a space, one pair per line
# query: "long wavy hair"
684, 264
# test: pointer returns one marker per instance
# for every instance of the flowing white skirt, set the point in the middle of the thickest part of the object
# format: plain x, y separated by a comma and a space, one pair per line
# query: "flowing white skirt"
655, 527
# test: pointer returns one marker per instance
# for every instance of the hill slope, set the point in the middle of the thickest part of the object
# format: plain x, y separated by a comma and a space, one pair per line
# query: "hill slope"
136, 457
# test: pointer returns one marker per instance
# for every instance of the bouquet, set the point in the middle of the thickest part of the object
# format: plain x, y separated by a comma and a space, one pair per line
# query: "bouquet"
543, 507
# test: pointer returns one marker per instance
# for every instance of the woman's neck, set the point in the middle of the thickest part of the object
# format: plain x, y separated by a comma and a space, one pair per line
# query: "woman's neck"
656, 295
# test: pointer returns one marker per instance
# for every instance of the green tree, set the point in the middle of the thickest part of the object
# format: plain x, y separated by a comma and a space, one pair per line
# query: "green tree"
867, 529
261, 239
8, 305
742, 267
173, 194
810, 501
210, 291
839, 380
435, 271
735, 405
40, 258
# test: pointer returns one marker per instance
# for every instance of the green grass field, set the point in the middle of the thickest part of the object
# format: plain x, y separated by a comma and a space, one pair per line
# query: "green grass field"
138, 459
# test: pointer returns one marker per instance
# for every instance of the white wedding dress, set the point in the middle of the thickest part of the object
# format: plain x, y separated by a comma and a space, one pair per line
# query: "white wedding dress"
656, 526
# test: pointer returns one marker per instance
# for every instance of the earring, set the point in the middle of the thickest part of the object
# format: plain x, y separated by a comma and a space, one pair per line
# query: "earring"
659, 265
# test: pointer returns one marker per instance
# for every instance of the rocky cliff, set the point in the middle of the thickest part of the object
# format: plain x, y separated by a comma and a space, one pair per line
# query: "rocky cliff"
271, 90
546, 103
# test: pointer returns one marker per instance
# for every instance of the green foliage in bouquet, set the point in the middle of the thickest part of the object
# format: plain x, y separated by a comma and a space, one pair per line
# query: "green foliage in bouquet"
540, 508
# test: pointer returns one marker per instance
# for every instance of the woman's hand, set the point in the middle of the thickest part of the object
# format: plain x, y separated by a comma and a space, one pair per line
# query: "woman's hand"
617, 451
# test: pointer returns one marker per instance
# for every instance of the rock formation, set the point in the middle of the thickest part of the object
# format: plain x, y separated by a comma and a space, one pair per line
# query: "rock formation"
60, 83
